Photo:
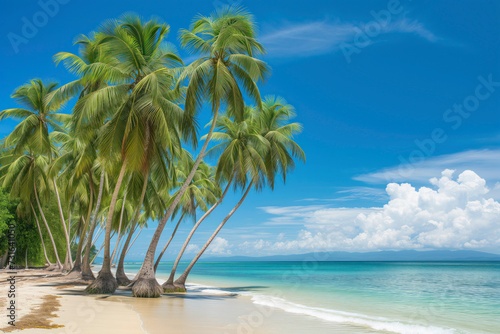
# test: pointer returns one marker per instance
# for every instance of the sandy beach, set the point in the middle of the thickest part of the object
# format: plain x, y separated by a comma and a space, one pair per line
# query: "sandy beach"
47, 301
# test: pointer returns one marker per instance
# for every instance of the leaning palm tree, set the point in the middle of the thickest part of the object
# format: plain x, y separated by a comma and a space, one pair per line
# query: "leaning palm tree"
266, 161
226, 43
202, 191
234, 150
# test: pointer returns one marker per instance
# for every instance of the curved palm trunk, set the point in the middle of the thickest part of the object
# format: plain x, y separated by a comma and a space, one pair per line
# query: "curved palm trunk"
105, 281
58, 262
121, 277
98, 252
100, 249
120, 271
41, 236
118, 239
120, 249
146, 284
68, 246
87, 273
180, 283
168, 243
97, 236
78, 261
132, 243
77, 267
168, 286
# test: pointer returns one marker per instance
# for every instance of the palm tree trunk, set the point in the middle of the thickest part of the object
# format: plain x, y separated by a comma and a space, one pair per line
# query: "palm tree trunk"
26, 259
180, 283
120, 249
100, 249
169, 241
105, 282
121, 277
146, 284
119, 228
68, 246
168, 286
78, 261
58, 262
132, 243
87, 273
41, 236
95, 256
120, 271
98, 235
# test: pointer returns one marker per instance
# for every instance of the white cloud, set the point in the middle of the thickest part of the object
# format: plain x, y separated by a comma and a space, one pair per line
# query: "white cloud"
192, 249
453, 214
320, 37
219, 246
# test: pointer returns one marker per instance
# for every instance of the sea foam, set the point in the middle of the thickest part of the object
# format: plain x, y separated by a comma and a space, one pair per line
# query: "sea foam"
377, 323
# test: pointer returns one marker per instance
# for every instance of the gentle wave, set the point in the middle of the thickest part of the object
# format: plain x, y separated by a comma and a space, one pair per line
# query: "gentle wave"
377, 323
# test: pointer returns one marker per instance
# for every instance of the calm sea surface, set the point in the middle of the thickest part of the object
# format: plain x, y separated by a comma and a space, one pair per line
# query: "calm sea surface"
375, 297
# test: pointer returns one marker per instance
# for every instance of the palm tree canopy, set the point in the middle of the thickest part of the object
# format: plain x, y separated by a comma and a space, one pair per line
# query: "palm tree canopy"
39, 116
226, 42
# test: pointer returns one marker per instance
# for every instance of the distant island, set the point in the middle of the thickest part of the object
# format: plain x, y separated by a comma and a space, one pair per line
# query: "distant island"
405, 255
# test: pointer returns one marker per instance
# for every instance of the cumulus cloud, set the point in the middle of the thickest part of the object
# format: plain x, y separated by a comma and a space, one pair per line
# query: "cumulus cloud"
452, 213
320, 37
219, 246
192, 249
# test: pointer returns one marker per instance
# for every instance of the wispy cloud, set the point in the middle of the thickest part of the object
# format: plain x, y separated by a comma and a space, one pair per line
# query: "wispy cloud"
352, 194
320, 37
484, 162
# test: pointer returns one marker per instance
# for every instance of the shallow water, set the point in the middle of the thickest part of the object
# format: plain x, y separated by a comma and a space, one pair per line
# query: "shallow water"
362, 297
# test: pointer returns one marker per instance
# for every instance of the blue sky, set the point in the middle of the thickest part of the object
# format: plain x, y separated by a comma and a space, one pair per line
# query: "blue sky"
387, 91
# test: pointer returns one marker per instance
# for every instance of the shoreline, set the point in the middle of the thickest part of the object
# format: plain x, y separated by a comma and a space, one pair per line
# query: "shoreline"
206, 308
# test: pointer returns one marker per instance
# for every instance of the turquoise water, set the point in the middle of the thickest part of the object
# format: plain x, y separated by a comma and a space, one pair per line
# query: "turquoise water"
382, 297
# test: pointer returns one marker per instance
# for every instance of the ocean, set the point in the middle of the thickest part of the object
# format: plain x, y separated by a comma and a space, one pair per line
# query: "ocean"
362, 297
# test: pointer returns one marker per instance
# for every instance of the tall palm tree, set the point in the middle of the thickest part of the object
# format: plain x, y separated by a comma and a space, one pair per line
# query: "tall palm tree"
145, 117
81, 155
226, 43
266, 161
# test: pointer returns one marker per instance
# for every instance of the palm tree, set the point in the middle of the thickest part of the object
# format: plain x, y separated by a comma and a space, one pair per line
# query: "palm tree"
81, 155
145, 119
39, 116
270, 127
235, 151
87, 273
226, 43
